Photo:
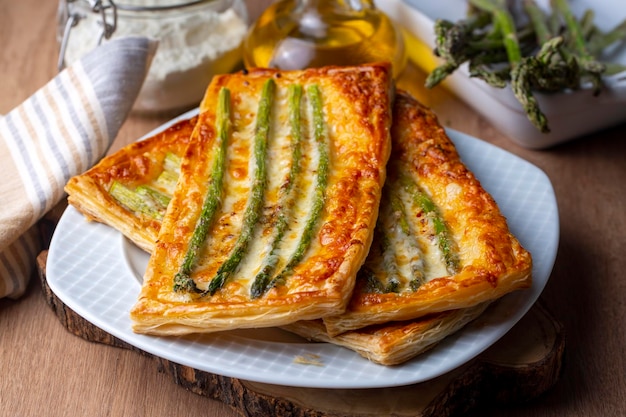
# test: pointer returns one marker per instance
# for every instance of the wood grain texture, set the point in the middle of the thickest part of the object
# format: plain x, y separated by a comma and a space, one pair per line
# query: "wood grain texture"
520, 367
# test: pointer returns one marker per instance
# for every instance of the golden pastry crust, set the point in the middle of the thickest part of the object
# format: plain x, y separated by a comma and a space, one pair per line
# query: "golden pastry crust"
356, 109
138, 164
392, 343
490, 260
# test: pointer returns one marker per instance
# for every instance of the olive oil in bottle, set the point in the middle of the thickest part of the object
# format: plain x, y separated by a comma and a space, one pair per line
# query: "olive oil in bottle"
296, 34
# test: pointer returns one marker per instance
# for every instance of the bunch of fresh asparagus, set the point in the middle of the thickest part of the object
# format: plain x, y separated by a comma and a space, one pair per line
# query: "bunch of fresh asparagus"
553, 51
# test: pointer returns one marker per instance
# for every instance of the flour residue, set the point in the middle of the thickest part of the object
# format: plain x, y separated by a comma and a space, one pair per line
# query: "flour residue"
194, 44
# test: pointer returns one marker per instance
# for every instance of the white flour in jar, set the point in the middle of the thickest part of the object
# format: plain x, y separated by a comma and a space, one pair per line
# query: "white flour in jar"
194, 44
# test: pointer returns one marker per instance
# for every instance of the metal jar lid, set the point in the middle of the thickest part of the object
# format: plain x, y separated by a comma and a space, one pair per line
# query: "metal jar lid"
107, 11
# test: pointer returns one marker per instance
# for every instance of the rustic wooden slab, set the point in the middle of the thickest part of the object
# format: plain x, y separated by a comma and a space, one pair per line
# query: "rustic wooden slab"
519, 367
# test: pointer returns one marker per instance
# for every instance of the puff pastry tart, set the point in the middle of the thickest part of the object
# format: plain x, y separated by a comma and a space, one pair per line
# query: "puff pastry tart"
392, 343
131, 189
276, 203
441, 242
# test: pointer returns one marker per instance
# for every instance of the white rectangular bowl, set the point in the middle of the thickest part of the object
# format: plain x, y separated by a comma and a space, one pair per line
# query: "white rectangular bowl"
570, 114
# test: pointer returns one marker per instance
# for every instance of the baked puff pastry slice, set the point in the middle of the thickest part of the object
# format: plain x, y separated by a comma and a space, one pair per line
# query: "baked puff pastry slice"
276, 202
130, 189
441, 242
392, 343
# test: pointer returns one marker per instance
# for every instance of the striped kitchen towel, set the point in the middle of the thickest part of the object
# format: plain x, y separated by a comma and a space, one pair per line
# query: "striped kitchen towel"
60, 131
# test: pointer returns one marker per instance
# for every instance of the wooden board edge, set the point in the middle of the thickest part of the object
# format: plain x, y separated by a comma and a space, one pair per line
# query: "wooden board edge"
482, 383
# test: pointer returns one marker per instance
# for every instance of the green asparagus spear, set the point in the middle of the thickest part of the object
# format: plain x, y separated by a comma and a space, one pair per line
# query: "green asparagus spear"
167, 180
539, 21
497, 79
546, 71
519, 69
452, 43
172, 162
598, 42
521, 89
530, 72
445, 242
262, 279
160, 199
372, 283
182, 279
587, 27
557, 69
315, 97
440, 73
504, 22
585, 60
554, 23
390, 264
137, 201
171, 171
254, 205
416, 262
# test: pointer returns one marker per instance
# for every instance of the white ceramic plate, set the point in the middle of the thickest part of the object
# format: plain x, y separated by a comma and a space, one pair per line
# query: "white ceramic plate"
96, 272
570, 114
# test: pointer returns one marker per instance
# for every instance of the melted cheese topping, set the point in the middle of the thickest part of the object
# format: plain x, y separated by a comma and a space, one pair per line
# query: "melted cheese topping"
403, 256
355, 108
479, 259
238, 181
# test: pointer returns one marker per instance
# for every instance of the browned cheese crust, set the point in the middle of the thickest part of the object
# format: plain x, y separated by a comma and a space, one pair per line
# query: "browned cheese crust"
357, 118
491, 260
137, 164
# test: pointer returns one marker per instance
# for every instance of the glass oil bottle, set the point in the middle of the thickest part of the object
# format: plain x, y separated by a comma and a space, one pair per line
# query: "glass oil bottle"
295, 34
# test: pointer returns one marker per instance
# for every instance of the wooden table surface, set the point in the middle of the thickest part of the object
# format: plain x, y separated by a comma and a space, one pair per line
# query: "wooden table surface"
48, 371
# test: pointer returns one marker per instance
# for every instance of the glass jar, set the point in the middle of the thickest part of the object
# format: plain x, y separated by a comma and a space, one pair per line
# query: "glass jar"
294, 34
197, 39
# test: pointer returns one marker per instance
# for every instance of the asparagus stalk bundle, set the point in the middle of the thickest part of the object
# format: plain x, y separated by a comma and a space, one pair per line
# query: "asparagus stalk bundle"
554, 51
269, 275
